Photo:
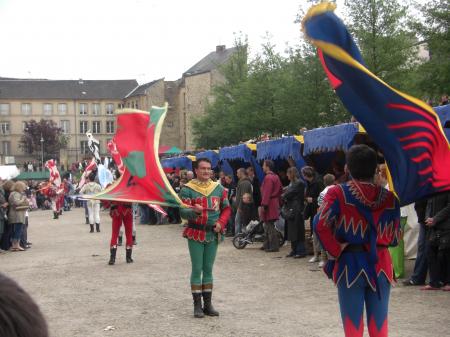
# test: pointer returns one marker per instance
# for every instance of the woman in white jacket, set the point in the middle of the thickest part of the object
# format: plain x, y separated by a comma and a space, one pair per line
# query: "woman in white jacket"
93, 205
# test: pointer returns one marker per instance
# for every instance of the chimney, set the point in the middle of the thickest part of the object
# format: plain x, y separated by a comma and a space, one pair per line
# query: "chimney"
220, 49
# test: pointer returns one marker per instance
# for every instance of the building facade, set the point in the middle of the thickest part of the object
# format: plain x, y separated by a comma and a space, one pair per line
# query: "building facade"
79, 106
75, 106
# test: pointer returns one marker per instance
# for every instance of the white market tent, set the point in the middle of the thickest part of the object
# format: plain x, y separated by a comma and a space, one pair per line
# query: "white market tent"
8, 172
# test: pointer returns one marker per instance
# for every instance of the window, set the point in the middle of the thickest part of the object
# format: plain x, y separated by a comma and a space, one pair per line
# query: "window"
136, 105
4, 109
4, 127
109, 126
62, 108
26, 109
84, 149
65, 126
120, 106
96, 109
6, 148
83, 126
109, 108
83, 108
96, 127
47, 109
24, 126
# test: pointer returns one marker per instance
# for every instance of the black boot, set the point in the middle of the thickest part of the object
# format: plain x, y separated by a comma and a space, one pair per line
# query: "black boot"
128, 254
55, 215
112, 258
92, 229
198, 312
208, 308
60, 212
134, 240
97, 227
119, 241
87, 221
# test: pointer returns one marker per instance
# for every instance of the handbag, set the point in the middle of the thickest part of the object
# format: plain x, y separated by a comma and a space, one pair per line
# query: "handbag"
22, 208
288, 213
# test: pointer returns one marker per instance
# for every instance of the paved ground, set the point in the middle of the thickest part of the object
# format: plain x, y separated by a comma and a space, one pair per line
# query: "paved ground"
258, 294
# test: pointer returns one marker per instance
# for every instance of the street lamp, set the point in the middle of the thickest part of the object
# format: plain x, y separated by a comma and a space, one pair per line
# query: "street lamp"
42, 152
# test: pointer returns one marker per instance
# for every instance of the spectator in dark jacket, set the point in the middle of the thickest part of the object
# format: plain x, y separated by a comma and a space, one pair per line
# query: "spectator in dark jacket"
293, 199
314, 186
244, 186
255, 184
5, 242
248, 211
438, 220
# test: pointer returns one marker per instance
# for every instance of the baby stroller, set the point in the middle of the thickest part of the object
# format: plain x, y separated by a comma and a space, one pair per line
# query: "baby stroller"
254, 232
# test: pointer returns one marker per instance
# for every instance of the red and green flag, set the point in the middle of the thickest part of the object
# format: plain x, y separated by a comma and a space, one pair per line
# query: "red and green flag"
143, 179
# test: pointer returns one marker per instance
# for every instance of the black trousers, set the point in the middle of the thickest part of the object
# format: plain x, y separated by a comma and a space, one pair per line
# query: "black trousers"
439, 266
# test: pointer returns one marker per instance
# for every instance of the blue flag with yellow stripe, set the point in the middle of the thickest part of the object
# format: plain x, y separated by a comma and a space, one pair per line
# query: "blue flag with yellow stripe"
407, 130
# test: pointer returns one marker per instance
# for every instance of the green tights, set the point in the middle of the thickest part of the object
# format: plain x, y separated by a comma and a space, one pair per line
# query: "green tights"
203, 255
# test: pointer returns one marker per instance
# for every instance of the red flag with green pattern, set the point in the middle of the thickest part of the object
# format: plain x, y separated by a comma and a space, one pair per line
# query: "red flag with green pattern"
143, 180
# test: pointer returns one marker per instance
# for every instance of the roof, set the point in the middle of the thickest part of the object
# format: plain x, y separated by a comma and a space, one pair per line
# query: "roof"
65, 89
211, 61
140, 90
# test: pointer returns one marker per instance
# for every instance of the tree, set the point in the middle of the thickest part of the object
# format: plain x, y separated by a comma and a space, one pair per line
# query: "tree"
271, 94
380, 29
433, 77
47, 130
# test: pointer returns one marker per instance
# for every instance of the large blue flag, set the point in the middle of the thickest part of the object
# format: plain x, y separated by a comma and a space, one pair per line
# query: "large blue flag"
407, 130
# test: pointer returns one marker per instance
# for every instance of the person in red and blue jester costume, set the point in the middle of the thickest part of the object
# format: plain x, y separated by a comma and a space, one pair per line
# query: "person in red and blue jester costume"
356, 223
207, 216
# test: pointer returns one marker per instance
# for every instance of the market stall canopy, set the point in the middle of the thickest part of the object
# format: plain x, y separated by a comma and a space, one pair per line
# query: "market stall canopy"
242, 152
212, 155
283, 148
237, 152
40, 175
444, 116
11, 171
169, 150
333, 138
178, 162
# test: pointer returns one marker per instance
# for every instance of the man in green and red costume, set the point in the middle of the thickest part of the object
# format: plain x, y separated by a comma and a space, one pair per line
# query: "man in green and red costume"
207, 218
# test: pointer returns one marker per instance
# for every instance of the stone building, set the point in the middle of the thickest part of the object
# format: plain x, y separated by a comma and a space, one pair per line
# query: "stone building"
79, 106
196, 89
75, 106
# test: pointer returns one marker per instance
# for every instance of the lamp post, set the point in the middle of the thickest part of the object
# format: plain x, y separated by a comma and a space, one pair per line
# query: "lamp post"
42, 152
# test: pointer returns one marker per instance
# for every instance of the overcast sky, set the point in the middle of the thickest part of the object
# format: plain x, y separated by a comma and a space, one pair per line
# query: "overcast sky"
132, 39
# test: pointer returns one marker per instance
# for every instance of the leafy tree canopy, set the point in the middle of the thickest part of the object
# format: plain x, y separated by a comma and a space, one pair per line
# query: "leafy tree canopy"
52, 137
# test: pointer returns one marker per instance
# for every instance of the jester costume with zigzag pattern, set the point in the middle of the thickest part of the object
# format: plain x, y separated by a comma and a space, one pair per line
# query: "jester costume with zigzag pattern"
366, 217
202, 239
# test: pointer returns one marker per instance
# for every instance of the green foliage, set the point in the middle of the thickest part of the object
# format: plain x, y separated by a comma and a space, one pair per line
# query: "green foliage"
433, 76
387, 46
49, 132
270, 94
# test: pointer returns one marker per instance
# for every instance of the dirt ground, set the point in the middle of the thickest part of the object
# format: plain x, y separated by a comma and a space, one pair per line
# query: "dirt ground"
257, 294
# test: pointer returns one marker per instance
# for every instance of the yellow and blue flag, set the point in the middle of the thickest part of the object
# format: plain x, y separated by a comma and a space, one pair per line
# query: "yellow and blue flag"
407, 130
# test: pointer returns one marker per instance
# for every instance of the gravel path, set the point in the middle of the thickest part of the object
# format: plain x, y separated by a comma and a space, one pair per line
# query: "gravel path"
257, 294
